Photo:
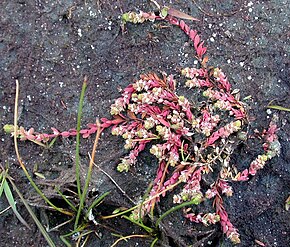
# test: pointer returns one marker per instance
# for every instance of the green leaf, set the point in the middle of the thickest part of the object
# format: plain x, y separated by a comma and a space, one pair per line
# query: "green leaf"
125, 17
12, 203
8, 128
117, 210
9, 195
164, 12
195, 201
52, 142
40, 175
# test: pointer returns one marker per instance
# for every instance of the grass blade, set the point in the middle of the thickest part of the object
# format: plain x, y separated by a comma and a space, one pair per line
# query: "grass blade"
66, 200
80, 109
154, 242
277, 107
37, 222
96, 202
2, 179
4, 210
195, 201
12, 203
78, 230
146, 228
67, 243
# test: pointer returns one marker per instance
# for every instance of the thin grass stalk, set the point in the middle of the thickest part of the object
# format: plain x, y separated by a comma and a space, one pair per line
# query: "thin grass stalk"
66, 200
88, 178
154, 242
21, 162
80, 108
185, 204
79, 229
56, 228
96, 202
4, 210
81, 237
67, 243
146, 228
86, 240
2, 179
277, 107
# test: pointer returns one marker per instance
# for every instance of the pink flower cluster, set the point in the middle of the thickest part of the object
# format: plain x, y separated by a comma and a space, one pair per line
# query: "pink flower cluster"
206, 123
224, 132
227, 227
206, 219
190, 138
271, 147
226, 101
219, 187
192, 188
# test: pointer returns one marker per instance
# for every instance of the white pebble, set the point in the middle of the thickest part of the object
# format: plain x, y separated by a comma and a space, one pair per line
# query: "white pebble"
80, 32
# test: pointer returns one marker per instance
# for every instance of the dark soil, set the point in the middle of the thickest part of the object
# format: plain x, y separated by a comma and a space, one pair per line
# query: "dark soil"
49, 46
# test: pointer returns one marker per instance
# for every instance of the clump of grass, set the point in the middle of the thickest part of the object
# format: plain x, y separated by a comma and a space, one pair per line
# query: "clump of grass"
5, 179
80, 212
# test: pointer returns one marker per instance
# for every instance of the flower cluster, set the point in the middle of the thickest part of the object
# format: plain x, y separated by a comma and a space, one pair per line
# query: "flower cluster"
271, 149
188, 138
206, 219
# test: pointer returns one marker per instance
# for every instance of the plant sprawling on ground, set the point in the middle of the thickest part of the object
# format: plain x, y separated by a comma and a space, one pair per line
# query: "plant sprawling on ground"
193, 138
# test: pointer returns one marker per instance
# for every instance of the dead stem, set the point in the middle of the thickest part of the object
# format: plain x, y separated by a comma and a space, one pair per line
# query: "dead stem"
21, 162
130, 236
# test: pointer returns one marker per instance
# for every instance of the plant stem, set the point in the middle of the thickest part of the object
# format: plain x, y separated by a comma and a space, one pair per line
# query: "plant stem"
154, 242
185, 204
148, 200
96, 202
80, 108
146, 228
88, 178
